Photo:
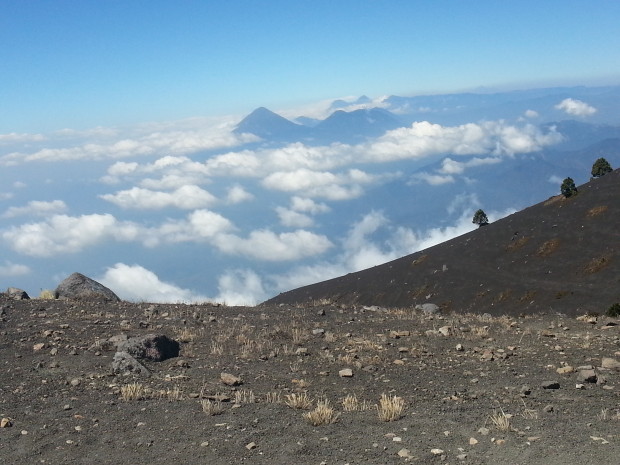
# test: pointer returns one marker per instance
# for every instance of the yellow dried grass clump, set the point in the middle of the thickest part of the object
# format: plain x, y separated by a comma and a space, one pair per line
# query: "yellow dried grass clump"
212, 407
46, 294
500, 420
597, 210
298, 401
390, 408
548, 247
133, 391
323, 414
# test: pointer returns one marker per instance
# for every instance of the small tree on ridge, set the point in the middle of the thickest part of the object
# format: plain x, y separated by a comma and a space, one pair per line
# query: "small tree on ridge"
568, 188
600, 168
480, 218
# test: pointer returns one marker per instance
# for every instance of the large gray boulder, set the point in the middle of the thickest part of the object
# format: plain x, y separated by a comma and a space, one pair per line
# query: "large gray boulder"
153, 347
124, 363
17, 294
428, 308
80, 287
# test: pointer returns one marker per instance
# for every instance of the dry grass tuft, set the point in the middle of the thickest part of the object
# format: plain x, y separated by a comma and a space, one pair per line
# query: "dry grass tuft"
596, 264
273, 397
46, 294
299, 335
322, 414
390, 408
170, 395
245, 396
548, 247
350, 403
421, 259
212, 407
186, 335
217, 348
133, 391
597, 210
500, 420
298, 401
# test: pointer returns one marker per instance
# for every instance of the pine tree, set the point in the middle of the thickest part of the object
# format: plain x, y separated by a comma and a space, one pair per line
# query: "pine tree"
600, 168
568, 188
480, 218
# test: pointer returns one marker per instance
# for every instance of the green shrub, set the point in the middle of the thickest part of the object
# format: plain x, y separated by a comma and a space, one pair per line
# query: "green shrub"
600, 168
614, 310
480, 218
568, 188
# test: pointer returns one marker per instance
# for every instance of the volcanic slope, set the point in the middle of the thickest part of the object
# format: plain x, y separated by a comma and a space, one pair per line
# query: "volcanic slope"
559, 255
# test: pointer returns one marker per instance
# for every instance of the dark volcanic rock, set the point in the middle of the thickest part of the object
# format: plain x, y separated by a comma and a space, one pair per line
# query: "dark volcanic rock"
125, 363
154, 347
80, 287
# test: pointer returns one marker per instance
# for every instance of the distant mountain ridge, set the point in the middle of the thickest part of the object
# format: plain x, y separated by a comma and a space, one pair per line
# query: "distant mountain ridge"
340, 126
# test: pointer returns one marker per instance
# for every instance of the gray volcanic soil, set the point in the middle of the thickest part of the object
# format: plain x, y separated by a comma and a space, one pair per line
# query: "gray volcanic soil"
65, 405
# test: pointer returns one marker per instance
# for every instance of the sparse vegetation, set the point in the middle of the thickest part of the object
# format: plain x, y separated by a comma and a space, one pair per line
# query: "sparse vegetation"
595, 211
568, 188
596, 264
390, 408
614, 310
322, 414
600, 168
47, 294
480, 218
548, 247
298, 401
212, 407
133, 391
421, 259
500, 420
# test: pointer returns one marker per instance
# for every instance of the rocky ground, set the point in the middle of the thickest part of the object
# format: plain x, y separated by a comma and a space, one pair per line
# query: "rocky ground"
473, 389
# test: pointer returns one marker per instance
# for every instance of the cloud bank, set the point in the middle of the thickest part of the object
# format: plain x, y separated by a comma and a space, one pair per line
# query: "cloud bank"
575, 107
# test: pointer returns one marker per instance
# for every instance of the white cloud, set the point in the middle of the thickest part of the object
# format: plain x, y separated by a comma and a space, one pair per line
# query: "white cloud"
266, 245
450, 166
292, 219
61, 234
13, 269
240, 287
531, 114
37, 208
575, 107
185, 197
307, 205
432, 179
6, 195
243, 164
200, 226
342, 186
121, 168
554, 179
136, 283
13, 138
425, 139
177, 138
237, 194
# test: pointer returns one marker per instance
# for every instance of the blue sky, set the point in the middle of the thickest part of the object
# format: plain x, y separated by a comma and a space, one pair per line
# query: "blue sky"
80, 64
119, 158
